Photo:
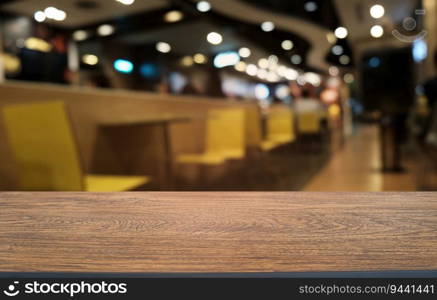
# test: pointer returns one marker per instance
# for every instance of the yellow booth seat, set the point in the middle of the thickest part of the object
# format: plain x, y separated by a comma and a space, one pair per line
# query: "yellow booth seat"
310, 122
225, 138
280, 129
269, 145
202, 158
102, 183
231, 140
45, 150
253, 137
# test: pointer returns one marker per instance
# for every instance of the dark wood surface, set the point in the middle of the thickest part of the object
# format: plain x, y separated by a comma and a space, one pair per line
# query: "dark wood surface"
217, 232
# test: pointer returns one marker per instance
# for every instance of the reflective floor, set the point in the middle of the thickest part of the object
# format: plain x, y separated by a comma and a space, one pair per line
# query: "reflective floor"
357, 167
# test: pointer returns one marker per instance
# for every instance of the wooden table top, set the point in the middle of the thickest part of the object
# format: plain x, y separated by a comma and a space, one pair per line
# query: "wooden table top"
217, 232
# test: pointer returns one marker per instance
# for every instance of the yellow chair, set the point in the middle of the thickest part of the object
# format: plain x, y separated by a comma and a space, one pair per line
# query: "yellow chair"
280, 129
44, 147
309, 122
253, 127
225, 138
233, 135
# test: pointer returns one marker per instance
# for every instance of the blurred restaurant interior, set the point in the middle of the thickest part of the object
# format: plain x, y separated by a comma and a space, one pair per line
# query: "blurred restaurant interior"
224, 95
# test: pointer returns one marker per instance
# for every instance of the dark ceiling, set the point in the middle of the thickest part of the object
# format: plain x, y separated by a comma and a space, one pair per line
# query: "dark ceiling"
152, 21
325, 14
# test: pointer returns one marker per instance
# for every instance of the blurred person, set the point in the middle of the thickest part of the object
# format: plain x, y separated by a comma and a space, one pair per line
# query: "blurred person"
163, 87
190, 89
277, 102
308, 103
295, 90
429, 132
71, 77
98, 81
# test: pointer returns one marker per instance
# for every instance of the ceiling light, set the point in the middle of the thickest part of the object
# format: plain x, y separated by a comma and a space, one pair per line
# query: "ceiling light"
123, 66
296, 59
263, 63
40, 16
148, 70
267, 26
163, 47
214, 38
377, 31
341, 33
345, 59
281, 70
199, 58
60, 15
173, 16
244, 52
273, 61
203, 6
374, 62
311, 6
313, 78
126, 2
226, 59
262, 74
332, 39
90, 59
291, 74
331, 94
187, 61
251, 70
282, 91
105, 30
55, 14
262, 91
349, 78
241, 66
272, 77
377, 11
420, 50
80, 35
37, 44
334, 71
287, 45
50, 12
301, 80
337, 50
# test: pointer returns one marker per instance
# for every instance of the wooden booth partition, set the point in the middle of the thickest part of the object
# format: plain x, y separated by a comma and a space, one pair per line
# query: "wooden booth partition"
109, 127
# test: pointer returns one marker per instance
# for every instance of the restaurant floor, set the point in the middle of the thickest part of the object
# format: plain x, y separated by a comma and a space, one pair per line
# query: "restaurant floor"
350, 165
357, 167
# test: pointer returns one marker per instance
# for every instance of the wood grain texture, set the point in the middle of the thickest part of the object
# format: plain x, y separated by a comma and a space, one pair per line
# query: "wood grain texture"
217, 232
